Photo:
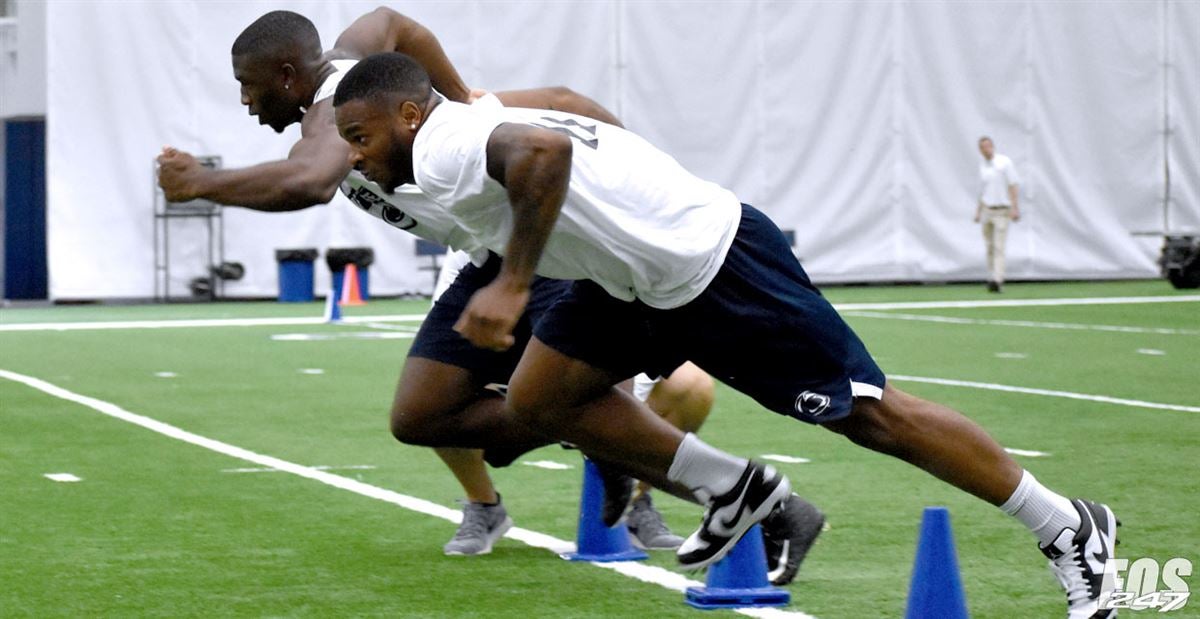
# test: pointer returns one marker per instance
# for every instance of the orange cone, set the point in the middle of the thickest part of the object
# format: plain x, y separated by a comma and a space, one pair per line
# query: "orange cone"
350, 293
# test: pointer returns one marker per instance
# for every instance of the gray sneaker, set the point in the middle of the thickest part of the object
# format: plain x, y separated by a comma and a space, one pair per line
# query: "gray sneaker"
647, 529
481, 526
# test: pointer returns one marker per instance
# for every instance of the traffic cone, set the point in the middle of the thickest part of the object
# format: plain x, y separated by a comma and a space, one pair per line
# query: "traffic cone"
739, 579
350, 291
333, 313
936, 591
593, 540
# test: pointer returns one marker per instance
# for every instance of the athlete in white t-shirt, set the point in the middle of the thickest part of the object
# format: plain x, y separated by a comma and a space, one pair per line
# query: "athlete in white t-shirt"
439, 401
592, 202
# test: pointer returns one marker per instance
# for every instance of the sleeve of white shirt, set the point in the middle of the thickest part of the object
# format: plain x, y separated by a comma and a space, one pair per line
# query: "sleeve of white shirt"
1010, 174
450, 154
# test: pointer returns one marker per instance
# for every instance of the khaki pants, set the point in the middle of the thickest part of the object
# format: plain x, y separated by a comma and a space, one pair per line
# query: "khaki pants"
995, 233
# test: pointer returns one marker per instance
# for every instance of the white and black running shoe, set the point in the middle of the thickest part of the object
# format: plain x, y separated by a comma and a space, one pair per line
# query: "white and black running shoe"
1077, 559
758, 491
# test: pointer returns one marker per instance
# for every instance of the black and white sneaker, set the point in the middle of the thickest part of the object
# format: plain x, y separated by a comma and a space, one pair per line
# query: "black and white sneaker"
759, 490
1077, 559
788, 533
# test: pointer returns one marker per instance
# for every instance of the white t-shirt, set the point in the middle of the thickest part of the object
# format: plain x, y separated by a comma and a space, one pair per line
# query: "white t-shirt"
329, 86
994, 178
407, 209
634, 221
452, 264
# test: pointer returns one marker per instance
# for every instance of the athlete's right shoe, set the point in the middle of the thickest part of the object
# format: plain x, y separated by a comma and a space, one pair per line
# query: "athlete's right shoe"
1077, 559
788, 533
481, 526
759, 490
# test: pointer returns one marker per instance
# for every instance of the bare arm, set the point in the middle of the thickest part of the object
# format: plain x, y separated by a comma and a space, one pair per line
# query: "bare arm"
1013, 192
309, 176
385, 30
558, 98
534, 164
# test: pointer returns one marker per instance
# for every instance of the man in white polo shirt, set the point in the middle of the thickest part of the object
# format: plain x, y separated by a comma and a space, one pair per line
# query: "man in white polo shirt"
997, 204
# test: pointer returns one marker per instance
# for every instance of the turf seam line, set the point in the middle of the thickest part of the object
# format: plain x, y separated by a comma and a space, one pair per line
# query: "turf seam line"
645, 573
1046, 392
314, 320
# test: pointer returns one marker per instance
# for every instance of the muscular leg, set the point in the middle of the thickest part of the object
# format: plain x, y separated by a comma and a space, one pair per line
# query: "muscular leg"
571, 400
939, 440
468, 467
442, 405
684, 400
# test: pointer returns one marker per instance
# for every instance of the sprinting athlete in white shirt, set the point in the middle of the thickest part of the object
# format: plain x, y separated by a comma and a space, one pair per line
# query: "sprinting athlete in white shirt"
756, 323
440, 398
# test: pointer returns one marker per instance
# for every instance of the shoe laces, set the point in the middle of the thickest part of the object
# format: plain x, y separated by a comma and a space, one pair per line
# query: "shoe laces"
646, 519
1068, 568
474, 521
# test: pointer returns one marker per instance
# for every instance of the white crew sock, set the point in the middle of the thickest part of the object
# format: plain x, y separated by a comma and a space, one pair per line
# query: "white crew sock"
707, 471
1041, 510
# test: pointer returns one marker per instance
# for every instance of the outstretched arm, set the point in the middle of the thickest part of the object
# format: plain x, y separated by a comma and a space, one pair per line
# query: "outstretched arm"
385, 30
558, 98
309, 176
534, 165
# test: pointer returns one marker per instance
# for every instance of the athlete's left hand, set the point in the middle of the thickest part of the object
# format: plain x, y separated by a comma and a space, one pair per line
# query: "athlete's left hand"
176, 173
492, 313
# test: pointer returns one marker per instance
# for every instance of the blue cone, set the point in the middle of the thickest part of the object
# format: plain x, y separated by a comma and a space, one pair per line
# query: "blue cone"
936, 591
593, 540
333, 311
739, 579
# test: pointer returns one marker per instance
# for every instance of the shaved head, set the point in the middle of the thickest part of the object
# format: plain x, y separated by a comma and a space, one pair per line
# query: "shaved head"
279, 34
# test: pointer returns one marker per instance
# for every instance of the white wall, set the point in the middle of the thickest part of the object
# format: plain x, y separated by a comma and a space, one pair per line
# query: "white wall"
853, 122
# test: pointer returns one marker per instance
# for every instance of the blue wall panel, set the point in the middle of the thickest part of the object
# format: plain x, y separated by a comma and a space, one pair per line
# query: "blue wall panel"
25, 209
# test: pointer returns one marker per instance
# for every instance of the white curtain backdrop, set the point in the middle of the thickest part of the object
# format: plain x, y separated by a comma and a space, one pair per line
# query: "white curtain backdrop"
853, 123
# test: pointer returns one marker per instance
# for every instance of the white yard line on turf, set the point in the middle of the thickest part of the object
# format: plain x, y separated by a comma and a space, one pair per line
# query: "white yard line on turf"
258, 322
1046, 392
202, 322
1021, 323
646, 573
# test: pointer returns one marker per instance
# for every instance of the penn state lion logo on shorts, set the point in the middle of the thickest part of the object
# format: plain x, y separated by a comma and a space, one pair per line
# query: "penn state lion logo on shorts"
811, 403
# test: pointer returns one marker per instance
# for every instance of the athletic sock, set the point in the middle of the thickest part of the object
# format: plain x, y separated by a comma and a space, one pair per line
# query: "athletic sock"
1041, 510
707, 471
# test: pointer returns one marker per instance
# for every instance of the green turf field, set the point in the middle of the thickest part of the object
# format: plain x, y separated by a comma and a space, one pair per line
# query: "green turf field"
162, 527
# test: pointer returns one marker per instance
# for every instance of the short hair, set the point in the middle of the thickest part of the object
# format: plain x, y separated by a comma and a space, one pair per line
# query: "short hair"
276, 33
984, 137
390, 73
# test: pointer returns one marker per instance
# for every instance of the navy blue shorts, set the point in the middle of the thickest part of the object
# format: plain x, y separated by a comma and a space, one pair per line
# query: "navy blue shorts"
761, 327
437, 339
